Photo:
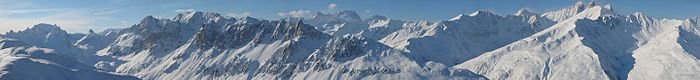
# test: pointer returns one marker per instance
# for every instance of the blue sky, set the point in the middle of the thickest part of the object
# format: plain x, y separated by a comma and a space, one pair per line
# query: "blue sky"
82, 15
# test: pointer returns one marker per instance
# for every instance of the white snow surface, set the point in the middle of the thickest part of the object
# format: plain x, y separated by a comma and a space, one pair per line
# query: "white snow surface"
21, 62
595, 44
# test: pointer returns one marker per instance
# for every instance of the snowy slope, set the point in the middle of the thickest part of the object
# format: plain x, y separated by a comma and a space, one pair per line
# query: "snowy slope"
563, 14
349, 23
409, 30
599, 45
465, 36
78, 46
92, 41
381, 26
545, 55
669, 54
45, 35
20, 62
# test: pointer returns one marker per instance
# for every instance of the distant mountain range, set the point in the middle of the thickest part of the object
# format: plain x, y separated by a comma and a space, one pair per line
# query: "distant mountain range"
584, 41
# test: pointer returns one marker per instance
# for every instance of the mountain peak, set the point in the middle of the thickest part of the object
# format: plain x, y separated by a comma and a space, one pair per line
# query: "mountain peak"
524, 12
196, 15
579, 7
109, 31
638, 14
250, 19
148, 19
45, 27
376, 18
578, 4
91, 31
348, 14
595, 12
11, 31
457, 17
345, 15
591, 4
341, 16
481, 12
42, 28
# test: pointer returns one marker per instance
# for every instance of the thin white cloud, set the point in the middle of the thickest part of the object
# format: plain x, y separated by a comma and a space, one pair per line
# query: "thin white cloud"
107, 12
243, 14
332, 6
5, 12
184, 10
296, 13
17, 15
66, 21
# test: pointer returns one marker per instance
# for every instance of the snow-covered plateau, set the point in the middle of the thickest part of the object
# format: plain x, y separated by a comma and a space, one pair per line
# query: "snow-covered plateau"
581, 42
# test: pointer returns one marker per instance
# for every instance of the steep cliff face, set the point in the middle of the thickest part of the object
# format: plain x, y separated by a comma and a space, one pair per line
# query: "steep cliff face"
202, 45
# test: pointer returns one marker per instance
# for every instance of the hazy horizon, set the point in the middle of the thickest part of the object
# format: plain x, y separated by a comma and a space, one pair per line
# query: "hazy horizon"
81, 15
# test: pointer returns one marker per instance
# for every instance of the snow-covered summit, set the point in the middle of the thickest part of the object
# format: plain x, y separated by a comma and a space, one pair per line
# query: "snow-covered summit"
596, 41
39, 29
525, 12
35, 63
381, 26
348, 14
345, 15
44, 35
45, 27
565, 13
482, 13
196, 16
339, 23
109, 32
47, 50
477, 13
457, 17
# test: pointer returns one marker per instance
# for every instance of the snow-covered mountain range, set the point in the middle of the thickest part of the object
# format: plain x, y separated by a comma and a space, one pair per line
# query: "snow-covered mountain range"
579, 42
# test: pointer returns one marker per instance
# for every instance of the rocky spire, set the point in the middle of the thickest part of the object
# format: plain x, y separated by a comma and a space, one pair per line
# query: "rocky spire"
91, 32
591, 4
